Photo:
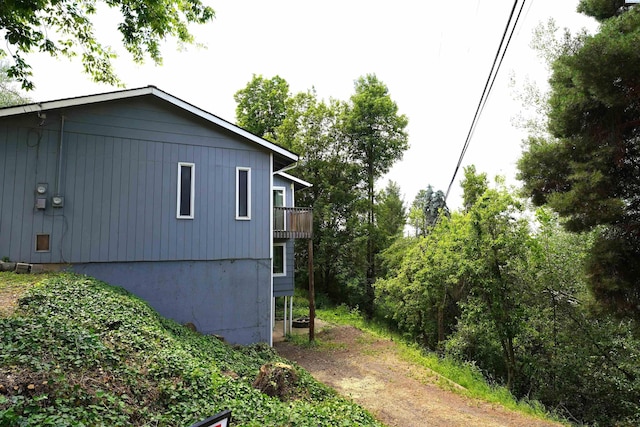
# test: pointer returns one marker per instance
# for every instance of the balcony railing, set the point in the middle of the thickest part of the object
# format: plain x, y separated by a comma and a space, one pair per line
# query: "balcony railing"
292, 223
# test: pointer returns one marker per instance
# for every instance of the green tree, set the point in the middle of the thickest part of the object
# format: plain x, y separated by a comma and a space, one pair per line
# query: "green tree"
512, 299
330, 137
473, 186
498, 252
65, 27
588, 170
261, 105
391, 259
436, 207
404, 296
376, 136
390, 212
391, 218
426, 208
602, 9
425, 281
573, 356
416, 217
311, 128
9, 94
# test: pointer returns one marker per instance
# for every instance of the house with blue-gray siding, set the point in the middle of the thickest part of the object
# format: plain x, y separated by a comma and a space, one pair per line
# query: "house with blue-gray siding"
146, 191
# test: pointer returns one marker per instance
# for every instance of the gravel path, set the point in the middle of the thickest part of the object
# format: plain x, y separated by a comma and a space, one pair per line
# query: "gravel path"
370, 371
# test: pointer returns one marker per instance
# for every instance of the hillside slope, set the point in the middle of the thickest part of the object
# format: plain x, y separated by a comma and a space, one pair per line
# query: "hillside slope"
77, 351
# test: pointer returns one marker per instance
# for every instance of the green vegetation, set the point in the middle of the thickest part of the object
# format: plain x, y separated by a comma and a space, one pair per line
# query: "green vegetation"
9, 95
345, 147
506, 292
80, 352
585, 166
468, 379
65, 28
544, 304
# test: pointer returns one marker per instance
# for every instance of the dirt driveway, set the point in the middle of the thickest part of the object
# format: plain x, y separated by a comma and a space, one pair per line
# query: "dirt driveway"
370, 371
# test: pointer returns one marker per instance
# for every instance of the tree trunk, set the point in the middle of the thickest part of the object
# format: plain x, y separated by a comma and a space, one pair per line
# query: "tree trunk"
441, 318
371, 271
440, 324
510, 360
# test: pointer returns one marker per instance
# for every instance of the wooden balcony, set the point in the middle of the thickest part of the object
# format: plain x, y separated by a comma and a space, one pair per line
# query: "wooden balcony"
292, 223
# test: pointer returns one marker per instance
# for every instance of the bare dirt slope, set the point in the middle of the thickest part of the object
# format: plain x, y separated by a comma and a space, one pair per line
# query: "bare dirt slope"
370, 371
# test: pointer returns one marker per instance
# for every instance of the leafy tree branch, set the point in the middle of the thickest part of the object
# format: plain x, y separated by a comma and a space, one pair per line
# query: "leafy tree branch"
66, 28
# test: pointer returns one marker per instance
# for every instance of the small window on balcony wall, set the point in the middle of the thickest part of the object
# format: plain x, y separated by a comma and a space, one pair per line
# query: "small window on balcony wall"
278, 214
243, 193
186, 190
279, 259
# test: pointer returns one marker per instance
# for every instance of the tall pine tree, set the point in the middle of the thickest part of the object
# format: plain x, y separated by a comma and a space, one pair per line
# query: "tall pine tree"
589, 172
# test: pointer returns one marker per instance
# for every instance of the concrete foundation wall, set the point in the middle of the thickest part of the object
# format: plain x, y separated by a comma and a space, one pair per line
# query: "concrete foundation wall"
229, 298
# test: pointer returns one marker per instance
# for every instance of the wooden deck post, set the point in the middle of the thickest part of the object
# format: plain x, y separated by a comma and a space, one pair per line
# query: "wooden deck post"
312, 298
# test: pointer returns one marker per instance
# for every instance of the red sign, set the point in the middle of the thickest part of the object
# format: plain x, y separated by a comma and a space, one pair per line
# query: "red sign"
218, 420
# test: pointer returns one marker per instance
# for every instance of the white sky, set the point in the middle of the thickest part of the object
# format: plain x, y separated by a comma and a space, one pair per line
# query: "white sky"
434, 57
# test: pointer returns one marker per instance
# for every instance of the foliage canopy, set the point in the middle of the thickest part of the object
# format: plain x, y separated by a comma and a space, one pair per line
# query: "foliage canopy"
589, 171
485, 287
344, 147
65, 27
261, 105
9, 94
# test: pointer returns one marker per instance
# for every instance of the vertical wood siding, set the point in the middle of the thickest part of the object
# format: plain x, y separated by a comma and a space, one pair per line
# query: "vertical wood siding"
284, 285
119, 182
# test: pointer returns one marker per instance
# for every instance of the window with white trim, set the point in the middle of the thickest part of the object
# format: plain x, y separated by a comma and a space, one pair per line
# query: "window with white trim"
186, 190
243, 193
279, 259
278, 214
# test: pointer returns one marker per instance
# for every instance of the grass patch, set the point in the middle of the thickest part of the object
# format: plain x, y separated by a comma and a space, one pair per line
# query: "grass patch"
302, 340
77, 351
467, 379
13, 286
300, 305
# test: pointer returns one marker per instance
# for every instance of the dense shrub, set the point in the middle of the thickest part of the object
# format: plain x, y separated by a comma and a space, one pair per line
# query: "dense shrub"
525, 316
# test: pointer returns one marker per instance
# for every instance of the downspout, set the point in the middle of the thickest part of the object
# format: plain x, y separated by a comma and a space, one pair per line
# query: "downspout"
286, 168
273, 300
290, 313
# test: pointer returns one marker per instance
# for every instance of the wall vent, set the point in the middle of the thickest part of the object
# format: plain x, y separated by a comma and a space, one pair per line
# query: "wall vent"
42, 243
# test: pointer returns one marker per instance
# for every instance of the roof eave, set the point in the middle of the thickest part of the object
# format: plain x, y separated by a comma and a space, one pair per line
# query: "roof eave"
299, 183
73, 102
285, 155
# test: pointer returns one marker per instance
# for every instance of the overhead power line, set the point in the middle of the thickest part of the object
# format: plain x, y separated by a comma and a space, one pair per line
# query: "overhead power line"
495, 68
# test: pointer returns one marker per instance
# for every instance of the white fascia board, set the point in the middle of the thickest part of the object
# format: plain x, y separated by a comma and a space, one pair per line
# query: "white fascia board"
148, 90
73, 102
296, 180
